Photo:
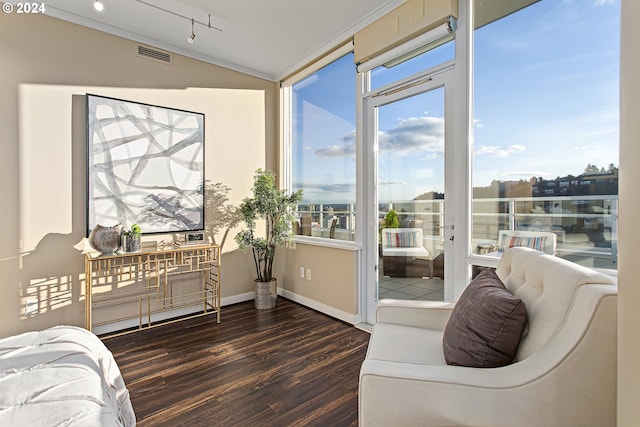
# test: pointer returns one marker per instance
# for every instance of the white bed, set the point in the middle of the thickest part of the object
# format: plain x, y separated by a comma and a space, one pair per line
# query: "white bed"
62, 376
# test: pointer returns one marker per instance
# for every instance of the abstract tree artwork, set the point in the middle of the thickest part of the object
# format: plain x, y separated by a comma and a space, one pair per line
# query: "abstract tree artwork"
145, 166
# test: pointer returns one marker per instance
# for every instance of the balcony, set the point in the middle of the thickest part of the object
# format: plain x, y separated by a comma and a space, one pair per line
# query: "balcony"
586, 226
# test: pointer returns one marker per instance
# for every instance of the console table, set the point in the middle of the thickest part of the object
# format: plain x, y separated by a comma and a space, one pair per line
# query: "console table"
141, 289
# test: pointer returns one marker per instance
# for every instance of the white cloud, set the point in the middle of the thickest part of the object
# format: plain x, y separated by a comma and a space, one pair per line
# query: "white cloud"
414, 135
391, 183
333, 151
421, 135
329, 188
350, 137
346, 149
494, 151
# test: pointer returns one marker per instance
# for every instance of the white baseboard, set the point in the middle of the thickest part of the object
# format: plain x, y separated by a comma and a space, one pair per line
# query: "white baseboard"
134, 323
159, 317
352, 319
235, 299
318, 306
364, 327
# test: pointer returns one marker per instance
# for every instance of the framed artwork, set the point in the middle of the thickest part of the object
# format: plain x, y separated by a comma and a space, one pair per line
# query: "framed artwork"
145, 165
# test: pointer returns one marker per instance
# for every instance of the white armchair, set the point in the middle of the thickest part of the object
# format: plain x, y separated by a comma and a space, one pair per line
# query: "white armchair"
564, 373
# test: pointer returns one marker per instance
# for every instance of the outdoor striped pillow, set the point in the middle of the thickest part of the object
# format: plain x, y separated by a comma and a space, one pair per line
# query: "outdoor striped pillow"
536, 243
403, 239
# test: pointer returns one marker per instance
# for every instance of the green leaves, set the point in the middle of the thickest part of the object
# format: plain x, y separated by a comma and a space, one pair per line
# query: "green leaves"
135, 231
391, 219
273, 206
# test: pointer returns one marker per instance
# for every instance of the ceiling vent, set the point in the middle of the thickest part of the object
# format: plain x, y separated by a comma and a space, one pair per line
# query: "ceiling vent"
155, 54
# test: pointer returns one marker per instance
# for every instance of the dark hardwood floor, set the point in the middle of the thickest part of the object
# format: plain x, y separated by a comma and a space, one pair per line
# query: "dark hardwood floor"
289, 366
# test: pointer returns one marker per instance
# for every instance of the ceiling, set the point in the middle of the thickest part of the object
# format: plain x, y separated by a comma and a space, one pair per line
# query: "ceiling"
265, 38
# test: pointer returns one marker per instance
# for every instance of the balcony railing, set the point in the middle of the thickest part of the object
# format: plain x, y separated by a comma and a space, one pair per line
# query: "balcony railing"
321, 216
586, 226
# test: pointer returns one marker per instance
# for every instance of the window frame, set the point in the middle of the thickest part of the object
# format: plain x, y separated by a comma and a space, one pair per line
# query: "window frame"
286, 143
481, 260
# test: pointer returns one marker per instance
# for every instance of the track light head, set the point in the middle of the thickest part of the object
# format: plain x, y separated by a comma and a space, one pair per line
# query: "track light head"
97, 5
192, 37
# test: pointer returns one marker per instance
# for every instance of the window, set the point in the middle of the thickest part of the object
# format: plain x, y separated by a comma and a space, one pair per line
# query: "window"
546, 127
322, 149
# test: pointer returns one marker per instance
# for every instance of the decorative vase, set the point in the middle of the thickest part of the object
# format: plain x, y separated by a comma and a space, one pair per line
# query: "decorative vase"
132, 243
265, 294
105, 239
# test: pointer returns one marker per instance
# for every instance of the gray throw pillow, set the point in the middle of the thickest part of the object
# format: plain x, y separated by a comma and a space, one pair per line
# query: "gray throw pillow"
485, 326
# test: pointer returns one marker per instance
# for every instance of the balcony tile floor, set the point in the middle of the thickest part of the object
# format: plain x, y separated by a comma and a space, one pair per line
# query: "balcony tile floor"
409, 288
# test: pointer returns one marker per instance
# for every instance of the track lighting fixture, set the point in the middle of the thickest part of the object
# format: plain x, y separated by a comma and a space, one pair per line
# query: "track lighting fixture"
192, 37
97, 5
194, 21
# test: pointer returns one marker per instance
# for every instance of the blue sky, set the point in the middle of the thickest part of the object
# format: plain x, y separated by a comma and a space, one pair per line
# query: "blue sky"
551, 105
546, 104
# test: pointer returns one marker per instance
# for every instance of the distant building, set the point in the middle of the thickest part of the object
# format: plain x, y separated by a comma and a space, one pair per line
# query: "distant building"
583, 185
601, 184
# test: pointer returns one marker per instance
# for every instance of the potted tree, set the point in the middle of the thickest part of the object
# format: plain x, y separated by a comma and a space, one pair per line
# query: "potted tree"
275, 207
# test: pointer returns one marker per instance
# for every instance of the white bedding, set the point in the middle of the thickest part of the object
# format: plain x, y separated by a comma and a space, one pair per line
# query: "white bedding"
62, 376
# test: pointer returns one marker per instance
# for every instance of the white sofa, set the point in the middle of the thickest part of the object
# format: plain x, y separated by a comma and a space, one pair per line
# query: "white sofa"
564, 373
404, 254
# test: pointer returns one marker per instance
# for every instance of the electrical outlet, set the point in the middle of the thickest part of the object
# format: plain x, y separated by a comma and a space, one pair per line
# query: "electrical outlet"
308, 274
31, 306
302, 272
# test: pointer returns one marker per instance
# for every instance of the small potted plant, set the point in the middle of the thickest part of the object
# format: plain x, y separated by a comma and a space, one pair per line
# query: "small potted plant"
132, 239
391, 220
275, 207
